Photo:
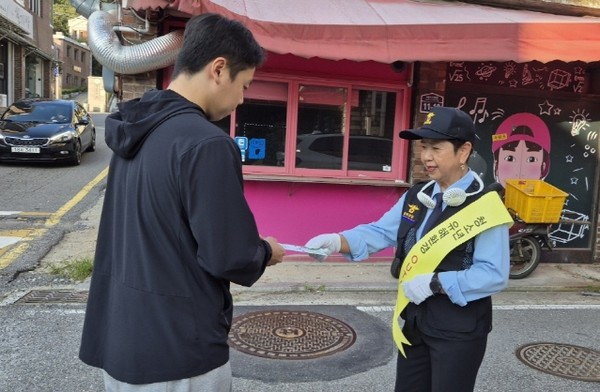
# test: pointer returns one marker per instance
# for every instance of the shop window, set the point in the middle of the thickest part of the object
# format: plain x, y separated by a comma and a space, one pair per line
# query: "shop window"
321, 118
372, 131
322, 130
262, 120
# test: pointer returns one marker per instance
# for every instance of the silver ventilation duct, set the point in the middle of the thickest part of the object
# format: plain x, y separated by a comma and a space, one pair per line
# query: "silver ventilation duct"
86, 7
106, 47
104, 43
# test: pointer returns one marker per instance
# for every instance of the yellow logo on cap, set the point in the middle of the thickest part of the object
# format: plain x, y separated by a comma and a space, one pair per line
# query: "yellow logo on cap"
429, 118
499, 137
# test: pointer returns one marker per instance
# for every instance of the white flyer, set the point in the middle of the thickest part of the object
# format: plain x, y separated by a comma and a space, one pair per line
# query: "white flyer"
304, 249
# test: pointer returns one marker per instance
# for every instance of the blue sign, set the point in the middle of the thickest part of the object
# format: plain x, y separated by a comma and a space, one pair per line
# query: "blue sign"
242, 142
258, 148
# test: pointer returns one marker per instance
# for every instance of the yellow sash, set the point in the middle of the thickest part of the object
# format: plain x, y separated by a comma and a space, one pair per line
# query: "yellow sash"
424, 257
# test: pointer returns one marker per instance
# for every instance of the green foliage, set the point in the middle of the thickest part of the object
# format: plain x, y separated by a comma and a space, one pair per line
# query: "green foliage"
78, 269
73, 90
62, 11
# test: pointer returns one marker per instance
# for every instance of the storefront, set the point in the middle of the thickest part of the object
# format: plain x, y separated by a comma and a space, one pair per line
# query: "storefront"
319, 126
25, 64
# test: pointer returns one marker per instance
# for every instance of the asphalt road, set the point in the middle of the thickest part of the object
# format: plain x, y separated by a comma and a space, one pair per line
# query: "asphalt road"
39, 345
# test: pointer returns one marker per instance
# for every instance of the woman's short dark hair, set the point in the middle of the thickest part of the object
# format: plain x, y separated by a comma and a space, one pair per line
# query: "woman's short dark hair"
209, 36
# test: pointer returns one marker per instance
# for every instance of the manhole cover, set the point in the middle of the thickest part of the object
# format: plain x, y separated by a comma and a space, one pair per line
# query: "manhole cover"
53, 296
564, 360
290, 334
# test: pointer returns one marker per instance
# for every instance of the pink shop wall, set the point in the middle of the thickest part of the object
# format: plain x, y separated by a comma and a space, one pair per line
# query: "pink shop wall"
293, 212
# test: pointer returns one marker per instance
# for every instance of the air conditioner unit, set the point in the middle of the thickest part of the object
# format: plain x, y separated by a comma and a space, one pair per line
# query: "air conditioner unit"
3, 101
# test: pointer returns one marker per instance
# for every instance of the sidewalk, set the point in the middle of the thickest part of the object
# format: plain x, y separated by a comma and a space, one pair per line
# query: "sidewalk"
336, 274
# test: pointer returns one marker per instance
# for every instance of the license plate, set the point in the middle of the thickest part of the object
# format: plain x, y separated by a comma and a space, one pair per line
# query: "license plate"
29, 150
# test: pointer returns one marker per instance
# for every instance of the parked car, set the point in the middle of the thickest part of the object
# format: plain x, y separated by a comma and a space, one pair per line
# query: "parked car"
324, 151
46, 130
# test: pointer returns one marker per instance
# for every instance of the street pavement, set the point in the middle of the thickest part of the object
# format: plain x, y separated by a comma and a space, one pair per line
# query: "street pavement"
558, 304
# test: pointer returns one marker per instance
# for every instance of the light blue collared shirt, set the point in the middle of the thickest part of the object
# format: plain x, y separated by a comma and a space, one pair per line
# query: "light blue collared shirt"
491, 257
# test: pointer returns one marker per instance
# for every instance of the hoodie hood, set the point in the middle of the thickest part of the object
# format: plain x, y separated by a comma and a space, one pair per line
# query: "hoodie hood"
128, 128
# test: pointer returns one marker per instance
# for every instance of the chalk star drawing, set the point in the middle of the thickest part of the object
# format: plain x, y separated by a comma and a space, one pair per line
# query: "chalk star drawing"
545, 108
574, 180
569, 158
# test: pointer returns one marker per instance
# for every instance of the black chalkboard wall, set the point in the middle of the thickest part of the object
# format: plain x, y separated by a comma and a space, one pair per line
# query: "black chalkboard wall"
535, 104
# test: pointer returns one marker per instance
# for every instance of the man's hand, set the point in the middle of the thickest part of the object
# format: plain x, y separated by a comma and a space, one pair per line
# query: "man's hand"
417, 289
277, 251
330, 243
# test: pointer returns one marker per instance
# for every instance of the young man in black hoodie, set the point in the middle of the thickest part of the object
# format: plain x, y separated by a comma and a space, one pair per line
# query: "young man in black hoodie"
175, 228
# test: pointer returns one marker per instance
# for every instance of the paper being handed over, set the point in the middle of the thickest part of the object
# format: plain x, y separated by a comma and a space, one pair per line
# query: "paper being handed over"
315, 252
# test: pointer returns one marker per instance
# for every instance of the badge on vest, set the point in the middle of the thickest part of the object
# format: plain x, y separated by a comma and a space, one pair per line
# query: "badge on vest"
409, 214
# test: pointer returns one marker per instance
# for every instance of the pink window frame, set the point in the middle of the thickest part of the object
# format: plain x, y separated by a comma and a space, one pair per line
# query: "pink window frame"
400, 152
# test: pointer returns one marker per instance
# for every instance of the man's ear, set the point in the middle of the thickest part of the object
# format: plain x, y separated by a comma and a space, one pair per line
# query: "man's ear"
217, 67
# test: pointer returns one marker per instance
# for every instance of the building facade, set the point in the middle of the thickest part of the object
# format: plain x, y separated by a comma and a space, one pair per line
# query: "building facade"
26, 57
75, 62
318, 131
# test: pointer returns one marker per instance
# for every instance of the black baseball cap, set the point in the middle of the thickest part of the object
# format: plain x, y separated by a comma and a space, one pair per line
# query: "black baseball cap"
443, 123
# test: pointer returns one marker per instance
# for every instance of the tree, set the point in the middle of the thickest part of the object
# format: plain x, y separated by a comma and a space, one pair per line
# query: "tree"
61, 13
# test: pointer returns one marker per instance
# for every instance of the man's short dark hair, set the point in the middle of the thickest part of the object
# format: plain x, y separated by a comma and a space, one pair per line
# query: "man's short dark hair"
209, 36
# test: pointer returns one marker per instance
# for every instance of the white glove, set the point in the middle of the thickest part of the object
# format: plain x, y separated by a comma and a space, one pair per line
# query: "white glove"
330, 243
417, 289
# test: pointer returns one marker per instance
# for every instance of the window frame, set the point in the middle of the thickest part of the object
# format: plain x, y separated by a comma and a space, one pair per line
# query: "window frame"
400, 148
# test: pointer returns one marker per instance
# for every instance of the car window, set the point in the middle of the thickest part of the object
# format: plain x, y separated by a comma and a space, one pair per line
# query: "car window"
330, 145
367, 150
61, 114
80, 112
38, 112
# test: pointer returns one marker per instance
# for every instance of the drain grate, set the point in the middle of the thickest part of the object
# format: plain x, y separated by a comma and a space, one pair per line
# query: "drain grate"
564, 360
53, 297
290, 334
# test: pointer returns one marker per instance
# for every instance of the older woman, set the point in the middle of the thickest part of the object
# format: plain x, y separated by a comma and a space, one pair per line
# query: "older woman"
451, 237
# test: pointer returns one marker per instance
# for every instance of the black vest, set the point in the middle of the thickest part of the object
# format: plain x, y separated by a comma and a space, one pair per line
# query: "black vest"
438, 316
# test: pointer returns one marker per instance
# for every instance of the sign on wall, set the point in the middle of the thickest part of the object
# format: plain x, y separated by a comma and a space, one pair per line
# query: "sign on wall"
553, 137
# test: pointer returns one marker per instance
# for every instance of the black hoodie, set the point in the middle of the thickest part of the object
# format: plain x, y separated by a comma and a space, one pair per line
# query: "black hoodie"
175, 231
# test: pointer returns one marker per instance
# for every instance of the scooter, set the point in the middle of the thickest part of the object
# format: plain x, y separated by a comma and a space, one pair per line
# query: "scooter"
526, 241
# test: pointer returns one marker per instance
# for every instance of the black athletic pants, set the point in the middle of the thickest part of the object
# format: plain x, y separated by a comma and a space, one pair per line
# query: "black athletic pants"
439, 365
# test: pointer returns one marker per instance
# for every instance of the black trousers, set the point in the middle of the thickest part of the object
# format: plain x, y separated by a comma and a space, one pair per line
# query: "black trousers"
439, 365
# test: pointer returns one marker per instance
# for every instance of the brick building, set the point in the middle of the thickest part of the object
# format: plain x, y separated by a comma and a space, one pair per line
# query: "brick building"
26, 58
76, 62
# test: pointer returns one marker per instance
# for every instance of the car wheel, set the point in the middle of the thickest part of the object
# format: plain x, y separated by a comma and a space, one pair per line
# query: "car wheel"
76, 160
92, 146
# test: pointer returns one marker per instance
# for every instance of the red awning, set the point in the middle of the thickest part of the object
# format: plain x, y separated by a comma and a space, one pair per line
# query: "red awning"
405, 30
